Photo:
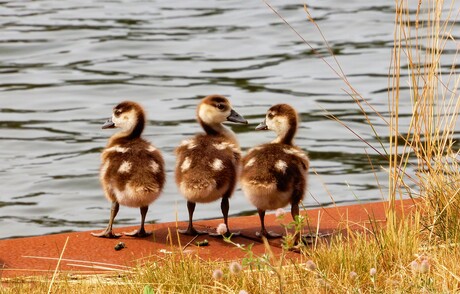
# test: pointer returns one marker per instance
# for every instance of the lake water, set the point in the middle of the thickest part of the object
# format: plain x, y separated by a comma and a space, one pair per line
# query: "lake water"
65, 64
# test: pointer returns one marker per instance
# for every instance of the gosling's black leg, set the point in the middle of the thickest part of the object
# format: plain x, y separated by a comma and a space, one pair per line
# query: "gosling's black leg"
294, 214
108, 233
225, 207
141, 232
191, 230
294, 210
263, 231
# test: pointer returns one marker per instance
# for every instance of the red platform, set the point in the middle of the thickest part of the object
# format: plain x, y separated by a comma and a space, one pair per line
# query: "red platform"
83, 253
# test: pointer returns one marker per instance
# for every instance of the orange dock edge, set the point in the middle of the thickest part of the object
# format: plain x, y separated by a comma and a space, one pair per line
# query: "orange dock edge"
81, 253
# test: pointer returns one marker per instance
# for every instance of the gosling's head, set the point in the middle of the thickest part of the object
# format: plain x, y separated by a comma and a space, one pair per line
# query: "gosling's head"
283, 120
129, 116
216, 109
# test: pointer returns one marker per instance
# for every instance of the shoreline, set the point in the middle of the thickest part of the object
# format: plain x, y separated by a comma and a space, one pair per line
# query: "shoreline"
85, 254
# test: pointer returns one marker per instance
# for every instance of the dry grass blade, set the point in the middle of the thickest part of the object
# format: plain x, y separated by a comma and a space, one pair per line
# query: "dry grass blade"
436, 104
57, 265
81, 261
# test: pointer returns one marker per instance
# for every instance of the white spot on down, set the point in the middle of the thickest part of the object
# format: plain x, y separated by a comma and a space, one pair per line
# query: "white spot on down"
250, 162
154, 166
151, 149
190, 143
217, 164
117, 148
226, 145
186, 164
221, 146
281, 166
125, 167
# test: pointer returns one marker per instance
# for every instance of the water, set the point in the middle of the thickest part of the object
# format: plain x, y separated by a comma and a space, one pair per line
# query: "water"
65, 64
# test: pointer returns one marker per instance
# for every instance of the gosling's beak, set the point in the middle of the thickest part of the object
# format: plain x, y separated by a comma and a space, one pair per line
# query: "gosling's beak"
108, 124
235, 117
262, 126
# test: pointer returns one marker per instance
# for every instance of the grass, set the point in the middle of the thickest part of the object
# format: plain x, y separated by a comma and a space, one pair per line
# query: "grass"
428, 146
413, 253
343, 265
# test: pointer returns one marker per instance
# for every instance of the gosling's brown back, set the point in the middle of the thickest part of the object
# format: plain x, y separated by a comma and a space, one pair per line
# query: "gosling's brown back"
284, 165
204, 161
134, 161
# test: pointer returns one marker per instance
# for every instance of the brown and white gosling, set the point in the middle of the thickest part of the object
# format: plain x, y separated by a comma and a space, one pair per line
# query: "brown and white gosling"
132, 171
207, 164
275, 174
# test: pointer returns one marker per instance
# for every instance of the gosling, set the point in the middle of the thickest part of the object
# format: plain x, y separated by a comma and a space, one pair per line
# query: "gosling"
207, 164
132, 171
275, 174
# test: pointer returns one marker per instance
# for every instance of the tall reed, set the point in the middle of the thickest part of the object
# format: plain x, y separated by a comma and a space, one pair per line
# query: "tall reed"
423, 159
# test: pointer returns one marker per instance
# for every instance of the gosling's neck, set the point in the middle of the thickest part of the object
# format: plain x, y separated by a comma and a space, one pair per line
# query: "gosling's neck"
218, 129
130, 134
286, 136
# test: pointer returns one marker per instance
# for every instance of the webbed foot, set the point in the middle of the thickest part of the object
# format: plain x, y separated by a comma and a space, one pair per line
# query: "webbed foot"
138, 233
268, 235
191, 232
227, 234
107, 234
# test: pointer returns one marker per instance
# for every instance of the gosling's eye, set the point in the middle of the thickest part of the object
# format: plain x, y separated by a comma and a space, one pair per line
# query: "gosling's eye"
117, 112
220, 106
270, 115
